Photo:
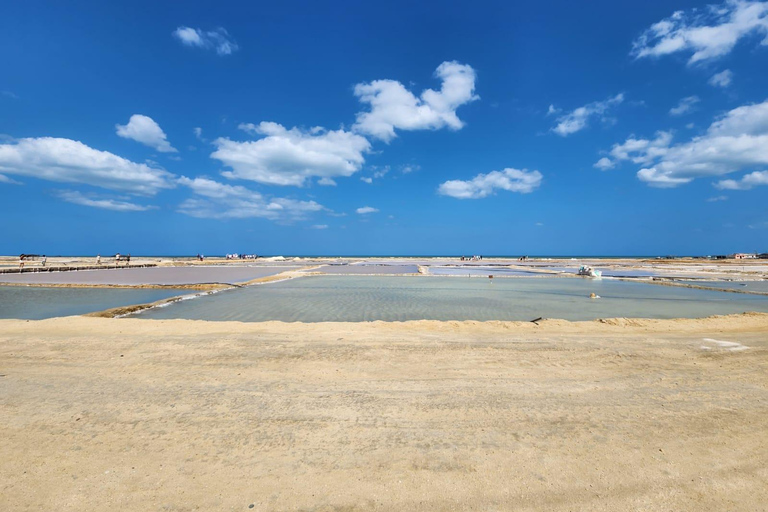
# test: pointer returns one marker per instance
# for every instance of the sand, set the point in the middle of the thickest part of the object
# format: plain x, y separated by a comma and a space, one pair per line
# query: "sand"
105, 414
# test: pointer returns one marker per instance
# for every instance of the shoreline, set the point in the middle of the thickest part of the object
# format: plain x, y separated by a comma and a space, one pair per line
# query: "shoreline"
748, 321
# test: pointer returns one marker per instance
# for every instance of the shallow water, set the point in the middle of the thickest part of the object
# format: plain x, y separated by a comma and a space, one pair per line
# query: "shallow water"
365, 298
36, 303
482, 271
368, 269
752, 286
172, 276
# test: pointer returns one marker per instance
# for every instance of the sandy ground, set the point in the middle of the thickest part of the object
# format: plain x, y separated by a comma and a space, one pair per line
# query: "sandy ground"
104, 414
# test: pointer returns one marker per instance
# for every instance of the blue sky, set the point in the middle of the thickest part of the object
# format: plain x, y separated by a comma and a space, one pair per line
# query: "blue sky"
327, 128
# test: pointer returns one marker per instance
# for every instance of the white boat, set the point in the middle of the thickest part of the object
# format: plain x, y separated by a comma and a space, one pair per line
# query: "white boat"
586, 270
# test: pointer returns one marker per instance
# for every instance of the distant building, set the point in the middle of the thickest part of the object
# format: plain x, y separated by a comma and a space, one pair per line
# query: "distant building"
763, 256
744, 256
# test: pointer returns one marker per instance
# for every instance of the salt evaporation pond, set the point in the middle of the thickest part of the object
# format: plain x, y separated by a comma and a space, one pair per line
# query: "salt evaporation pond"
367, 298
747, 286
36, 303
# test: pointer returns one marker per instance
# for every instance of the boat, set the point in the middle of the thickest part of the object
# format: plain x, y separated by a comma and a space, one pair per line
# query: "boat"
586, 270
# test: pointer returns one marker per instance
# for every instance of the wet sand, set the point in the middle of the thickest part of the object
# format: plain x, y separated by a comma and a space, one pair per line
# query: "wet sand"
104, 414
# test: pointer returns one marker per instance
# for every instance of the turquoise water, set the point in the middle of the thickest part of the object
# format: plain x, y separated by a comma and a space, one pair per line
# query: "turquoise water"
35, 303
364, 298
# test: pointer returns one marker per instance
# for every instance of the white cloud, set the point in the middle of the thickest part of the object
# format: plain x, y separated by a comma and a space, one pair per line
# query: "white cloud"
217, 39
409, 168
221, 201
144, 129
7, 180
552, 110
9, 94
378, 172
72, 196
199, 134
366, 209
71, 161
327, 182
685, 106
638, 151
708, 33
291, 157
483, 185
747, 181
577, 120
738, 141
395, 107
604, 164
717, 199
722, 79
320, 226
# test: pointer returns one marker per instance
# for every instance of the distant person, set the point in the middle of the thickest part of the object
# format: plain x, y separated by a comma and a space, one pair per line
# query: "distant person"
117, 259
21, 265
128, 260
98, 259
42, 262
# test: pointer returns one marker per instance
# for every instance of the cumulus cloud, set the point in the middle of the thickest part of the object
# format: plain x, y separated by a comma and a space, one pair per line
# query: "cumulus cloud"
366, 209
144, 129
409, 168
685, 106
366, 179
72, 196
578, 119
392, 106
738, 141
217, 39
639, 151
604, 164
747, 182
707, 33
327, 182
483, 185
291, 157
221, 201
71, 161
722, 79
